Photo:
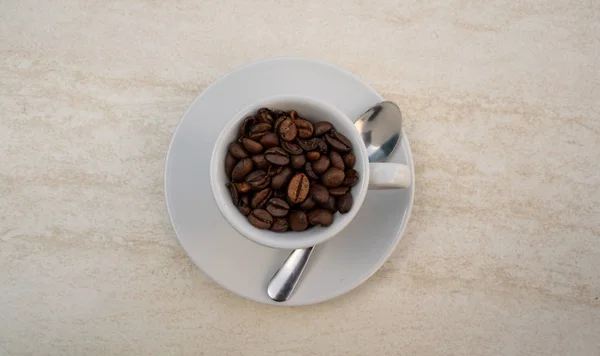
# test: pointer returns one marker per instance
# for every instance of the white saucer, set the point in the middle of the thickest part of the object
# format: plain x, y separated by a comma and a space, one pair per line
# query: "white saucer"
228, 258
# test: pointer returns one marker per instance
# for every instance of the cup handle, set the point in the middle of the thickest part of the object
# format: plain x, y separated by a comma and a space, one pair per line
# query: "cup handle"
389, 176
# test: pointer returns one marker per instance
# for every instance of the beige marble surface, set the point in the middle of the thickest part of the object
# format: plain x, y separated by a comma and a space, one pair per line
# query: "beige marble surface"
501, 103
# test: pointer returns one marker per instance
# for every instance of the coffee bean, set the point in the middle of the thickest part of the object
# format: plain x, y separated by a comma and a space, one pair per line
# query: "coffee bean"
294, 115
338, 142
344, 203
298, 188
336, 160
258, 179
244, 205
330, 204
287, 130
322, 127
278, 207
265, 115
313, 155
319, 193
332, 177
234, 193
247, 125
298, 221
310, 172
278, 122
314, 144
274, 170
321, 165
349, 160
252, 146
292, 148
243, 187
282, 178
261, 198
321, 217
230, 162
305, 128
279, 113
260, 162
351, 178
336, 192
237, 151
269, 140
260, 219
259, 130
280, 225
307, 204
277, 156
241, 170
297, 161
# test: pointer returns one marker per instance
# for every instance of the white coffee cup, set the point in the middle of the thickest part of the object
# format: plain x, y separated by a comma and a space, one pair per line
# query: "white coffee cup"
371, 175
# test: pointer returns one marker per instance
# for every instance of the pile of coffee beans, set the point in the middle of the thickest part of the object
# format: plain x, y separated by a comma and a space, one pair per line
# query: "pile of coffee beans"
288, 173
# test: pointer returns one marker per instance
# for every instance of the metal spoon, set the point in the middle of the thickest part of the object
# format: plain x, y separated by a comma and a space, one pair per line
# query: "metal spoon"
381, 130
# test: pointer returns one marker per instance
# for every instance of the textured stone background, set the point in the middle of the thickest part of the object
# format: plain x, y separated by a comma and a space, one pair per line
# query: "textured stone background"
502, 253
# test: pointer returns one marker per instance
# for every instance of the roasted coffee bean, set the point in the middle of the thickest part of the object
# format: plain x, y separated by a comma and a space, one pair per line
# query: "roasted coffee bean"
310, 172
241, 170
321, 217
247, 125
265, 115
292, 148
319, 193
336, 160
298, 221
287, 130
261, 198
279, 113
336, 192
298, 188
230, 162
351, 178
280, 225
330, 204
313, 144
333, 177
322, 127
274, 170
234, 193
344, 203
260, 219
305, 128
297, 161
277, 156
243, 187
269, 140
321, 165
260, 162
282, 178
278, 207
313, 155
252, 146
278, 122
308, 204
294, 115
237, 150
349, 160
244, 205
259, 130
338, 142
258, 179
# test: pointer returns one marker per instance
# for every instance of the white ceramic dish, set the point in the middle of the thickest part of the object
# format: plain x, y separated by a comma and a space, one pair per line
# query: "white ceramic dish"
386, 174
231, 260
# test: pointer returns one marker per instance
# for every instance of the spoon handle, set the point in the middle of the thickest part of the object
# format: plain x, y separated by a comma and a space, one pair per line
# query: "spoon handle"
284, 281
